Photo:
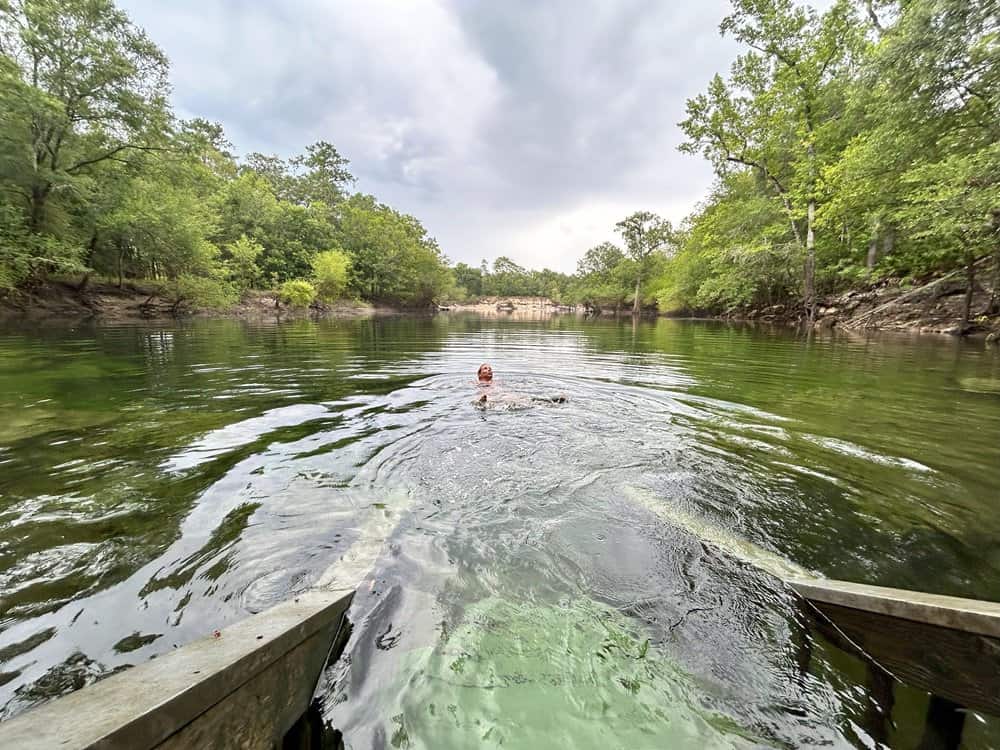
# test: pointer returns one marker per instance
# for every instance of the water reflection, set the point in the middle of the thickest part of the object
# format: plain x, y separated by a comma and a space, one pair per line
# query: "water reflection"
159, 483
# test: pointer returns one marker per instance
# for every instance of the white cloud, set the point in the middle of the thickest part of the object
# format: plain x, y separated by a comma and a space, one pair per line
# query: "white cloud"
512, 128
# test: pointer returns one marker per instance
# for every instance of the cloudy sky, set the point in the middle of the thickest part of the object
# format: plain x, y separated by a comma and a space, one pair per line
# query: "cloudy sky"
509, 127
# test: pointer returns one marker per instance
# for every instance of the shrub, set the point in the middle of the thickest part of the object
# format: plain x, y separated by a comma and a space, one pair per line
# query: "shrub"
297, 293
199, 291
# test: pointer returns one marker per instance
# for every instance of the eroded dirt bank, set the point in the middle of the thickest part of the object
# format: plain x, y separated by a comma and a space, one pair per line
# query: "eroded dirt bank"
135, 302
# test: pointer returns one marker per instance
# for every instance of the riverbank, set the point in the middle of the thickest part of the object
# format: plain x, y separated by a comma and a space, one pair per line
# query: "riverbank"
137, 302
890, 306
935, 307
518, 308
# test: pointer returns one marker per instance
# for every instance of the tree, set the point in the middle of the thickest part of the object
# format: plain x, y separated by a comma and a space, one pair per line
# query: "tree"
331, 274
778, 125
87, 87
97, 176
273, 170
241, 263
604, 276
322, 175
950, 208
510, 279
803, 51
318, 176
156, 225
644, 233
942, 60
470, 279
392, 257
207, 143
198, 291
734, 251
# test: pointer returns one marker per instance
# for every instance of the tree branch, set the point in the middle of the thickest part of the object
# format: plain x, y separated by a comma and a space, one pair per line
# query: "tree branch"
782, 193
113, 152
873, 17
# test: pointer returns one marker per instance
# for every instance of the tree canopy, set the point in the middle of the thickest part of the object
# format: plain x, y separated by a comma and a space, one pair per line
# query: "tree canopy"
872, 127
849, 145
97, 176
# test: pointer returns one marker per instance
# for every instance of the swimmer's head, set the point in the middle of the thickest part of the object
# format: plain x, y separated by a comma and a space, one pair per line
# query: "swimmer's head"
485, 373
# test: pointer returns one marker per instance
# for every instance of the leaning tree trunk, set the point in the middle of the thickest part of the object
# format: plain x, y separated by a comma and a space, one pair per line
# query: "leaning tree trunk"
635, 305
809, 273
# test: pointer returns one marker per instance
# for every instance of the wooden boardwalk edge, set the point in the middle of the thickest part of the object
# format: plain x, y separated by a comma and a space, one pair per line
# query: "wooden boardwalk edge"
248, 684
955, 613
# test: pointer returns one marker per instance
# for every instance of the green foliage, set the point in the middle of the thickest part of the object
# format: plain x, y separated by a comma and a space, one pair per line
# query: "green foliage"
95, 175
734, 252
392, 257
645, 235
331, 274
848, 146
469, 279
25, 257
192, 291
241, 263
297, 293
318, 176
604, 277
70, 118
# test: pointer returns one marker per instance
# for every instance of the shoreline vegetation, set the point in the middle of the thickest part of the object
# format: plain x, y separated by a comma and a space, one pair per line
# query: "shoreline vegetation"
934, 308
856, 153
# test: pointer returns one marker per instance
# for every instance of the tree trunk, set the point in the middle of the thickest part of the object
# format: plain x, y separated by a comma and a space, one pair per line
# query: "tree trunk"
970, 286
872, 254
873, 17
809, 276
994, 306
36, 217
635, 305
121, 265
91, 250
888, 242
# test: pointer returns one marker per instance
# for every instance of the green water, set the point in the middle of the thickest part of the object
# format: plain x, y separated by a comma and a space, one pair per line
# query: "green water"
541, 583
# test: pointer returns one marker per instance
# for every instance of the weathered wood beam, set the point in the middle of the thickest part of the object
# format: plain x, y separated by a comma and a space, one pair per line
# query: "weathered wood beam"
243, 688
966, 615
939, 644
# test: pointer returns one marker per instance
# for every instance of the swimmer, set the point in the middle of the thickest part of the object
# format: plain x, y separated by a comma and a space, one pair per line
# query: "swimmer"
484, 379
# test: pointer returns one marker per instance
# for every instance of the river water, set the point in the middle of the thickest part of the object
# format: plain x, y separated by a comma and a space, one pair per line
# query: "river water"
545, 579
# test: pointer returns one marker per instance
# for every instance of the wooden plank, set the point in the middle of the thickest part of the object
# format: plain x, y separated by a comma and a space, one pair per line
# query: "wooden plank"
244, 688
966, 615
957, 665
